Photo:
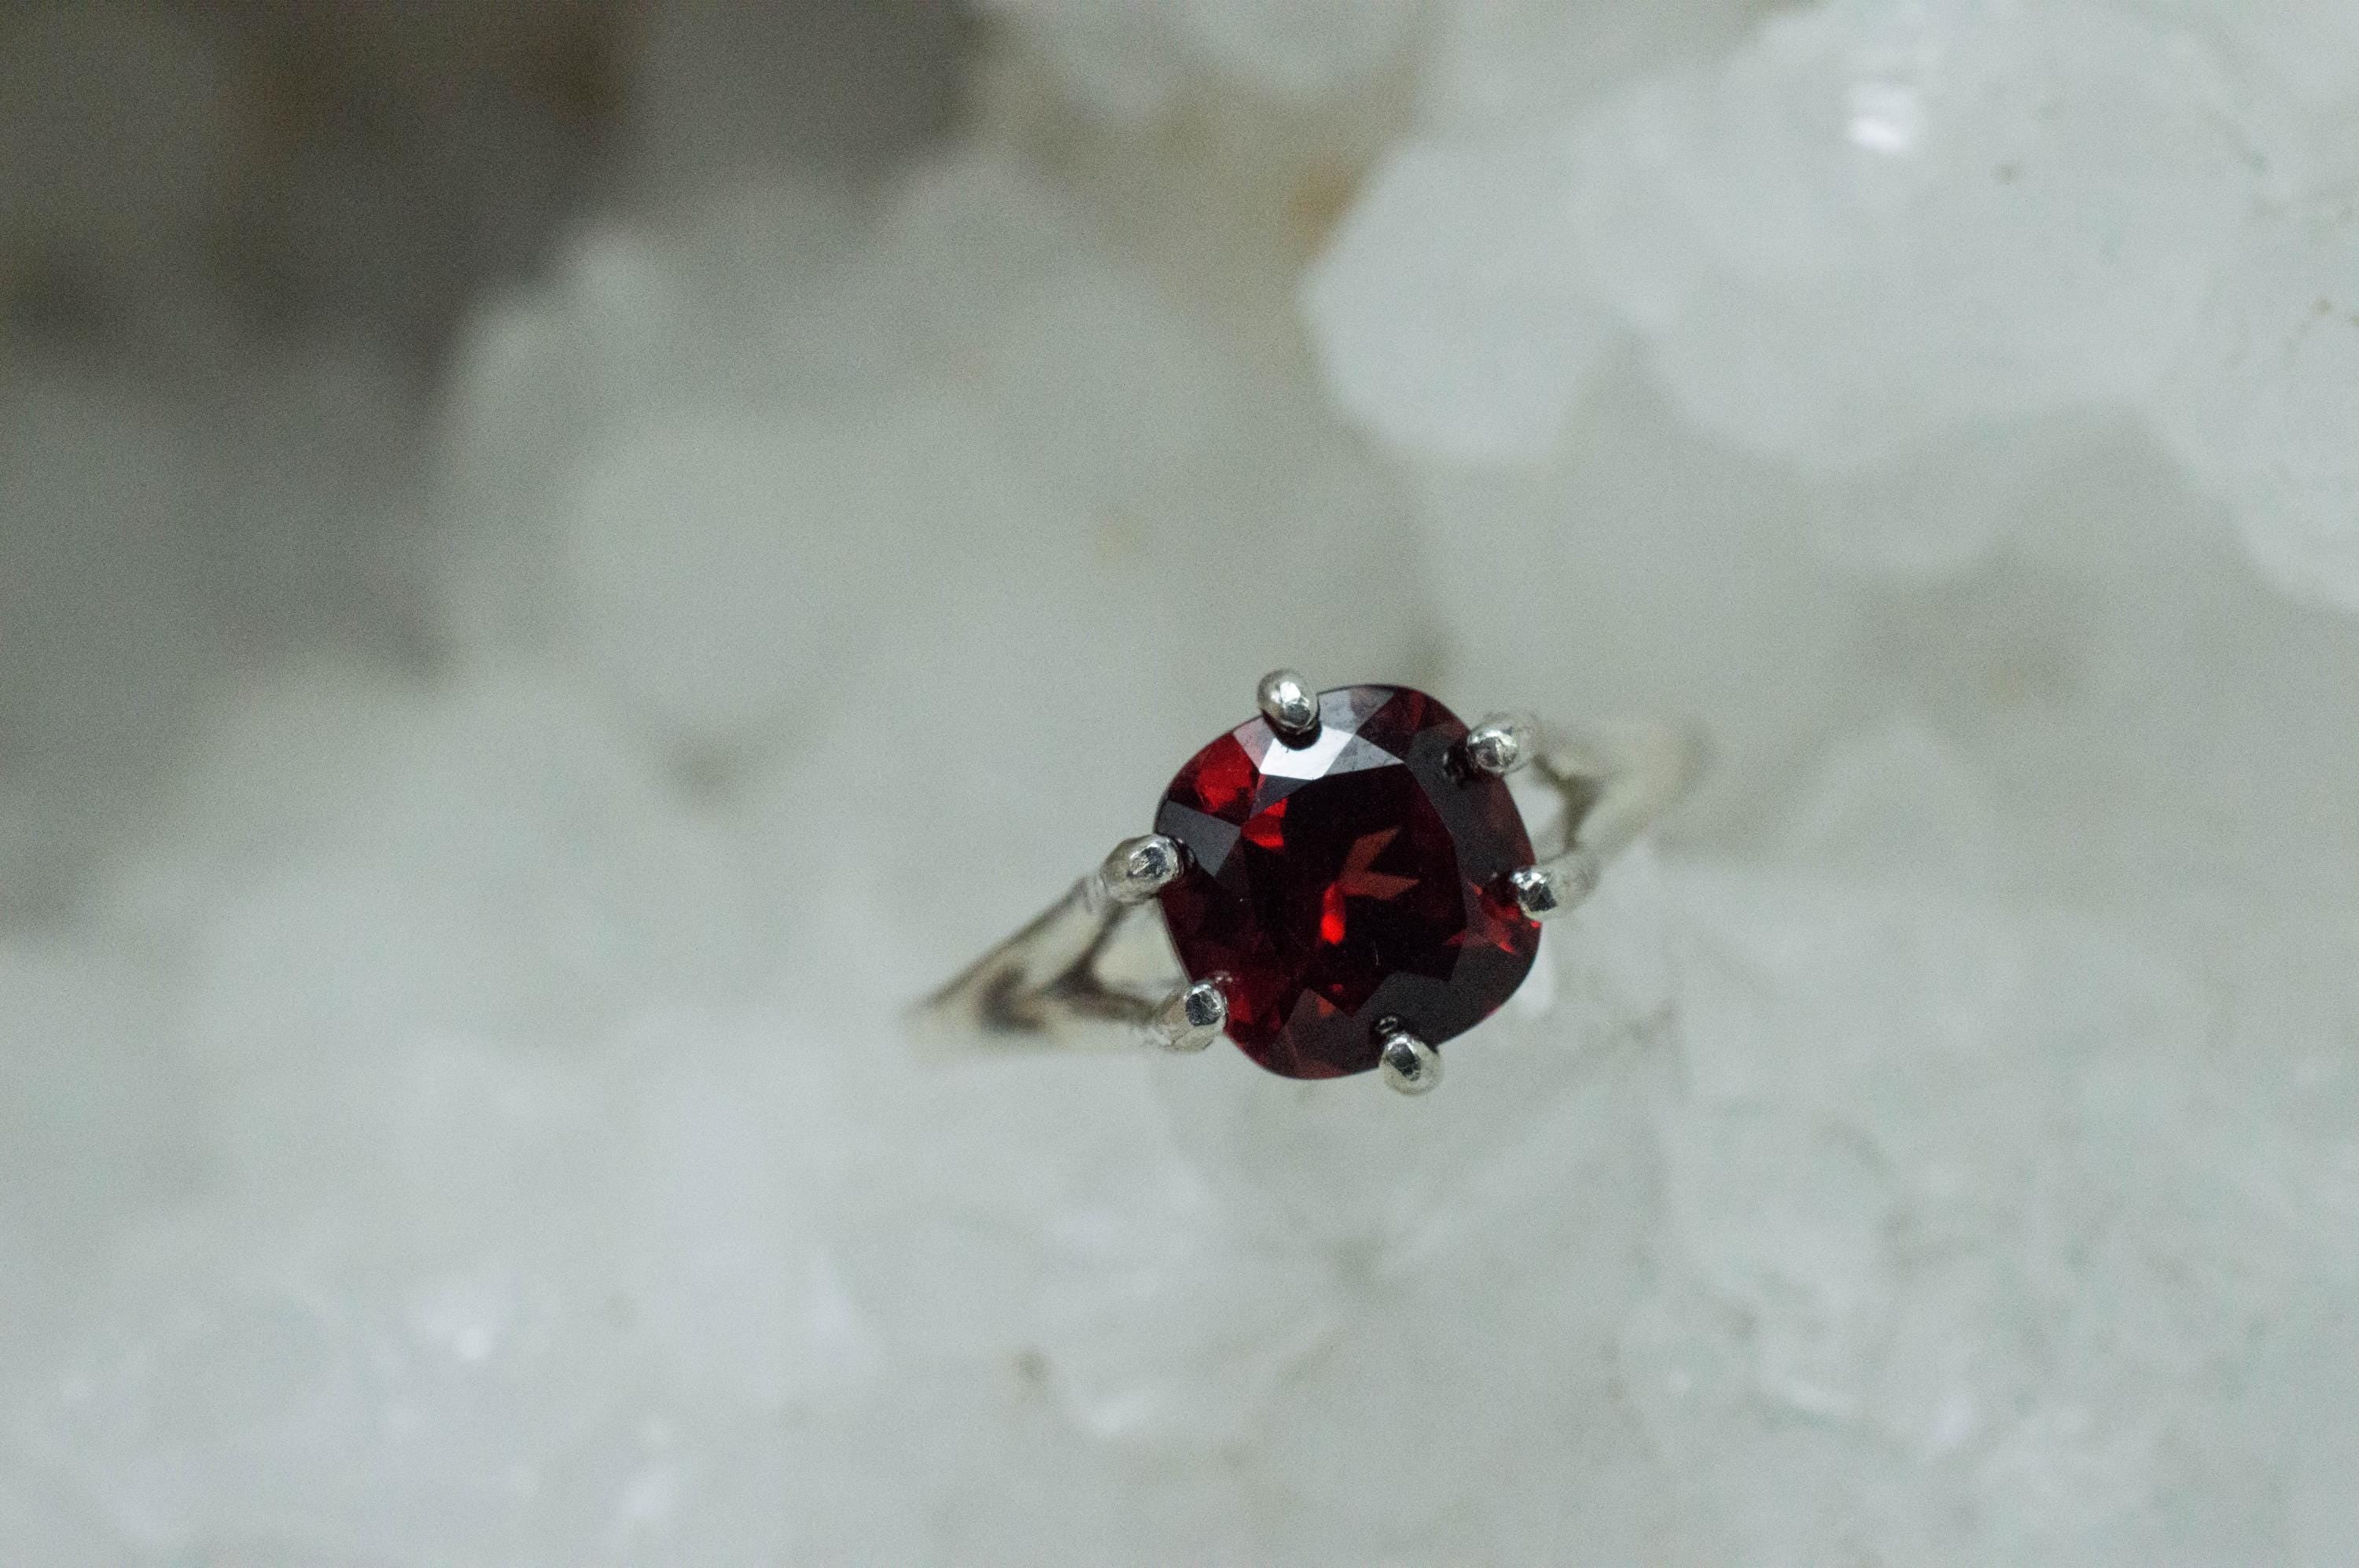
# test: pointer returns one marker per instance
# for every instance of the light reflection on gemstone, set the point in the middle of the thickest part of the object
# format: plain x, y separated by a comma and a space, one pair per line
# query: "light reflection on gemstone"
1357, 879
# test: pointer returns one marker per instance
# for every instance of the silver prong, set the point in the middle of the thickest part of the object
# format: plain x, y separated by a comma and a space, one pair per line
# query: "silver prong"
1140, 867
1560, 885
1503, 743
1192, 1018
1292, 707
1409, 1064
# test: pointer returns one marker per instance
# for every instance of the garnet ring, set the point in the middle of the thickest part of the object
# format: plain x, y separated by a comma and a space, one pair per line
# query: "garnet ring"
1345, 880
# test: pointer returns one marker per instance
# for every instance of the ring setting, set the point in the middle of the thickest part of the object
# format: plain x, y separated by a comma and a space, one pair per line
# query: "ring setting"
1345, 881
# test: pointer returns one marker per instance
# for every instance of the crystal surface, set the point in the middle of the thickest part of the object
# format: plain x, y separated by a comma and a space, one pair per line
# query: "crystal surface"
472, 806
1358, 877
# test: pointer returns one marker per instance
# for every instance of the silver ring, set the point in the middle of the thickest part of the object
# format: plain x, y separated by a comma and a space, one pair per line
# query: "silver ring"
1340, 885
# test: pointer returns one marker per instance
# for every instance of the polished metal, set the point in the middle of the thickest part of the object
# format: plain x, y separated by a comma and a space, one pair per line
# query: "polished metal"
1292, 707
1066, 978
1612, 783
1503, 743
1140, 867
1192, 1018
1097, 966
1560, 884
1409, 1066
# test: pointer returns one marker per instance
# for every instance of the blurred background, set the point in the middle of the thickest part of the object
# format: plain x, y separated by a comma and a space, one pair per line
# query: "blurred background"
561, 562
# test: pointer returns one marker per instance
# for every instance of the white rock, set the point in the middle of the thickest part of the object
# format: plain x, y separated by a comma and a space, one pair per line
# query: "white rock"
704, 557
1559, 582
1133, 58
48, 1528
461, 1116
2295, 82
520, 1285
1298, 47
719, 315
1901, 796
714, 567
2263, 401
1499, 64
2024, 1310
490, 859
1933, 512
1877, 220
1449, 310
1092, 1253
1477, 1301
96, 1129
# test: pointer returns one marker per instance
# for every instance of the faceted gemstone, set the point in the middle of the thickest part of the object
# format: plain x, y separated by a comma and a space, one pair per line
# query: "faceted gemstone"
1359, 878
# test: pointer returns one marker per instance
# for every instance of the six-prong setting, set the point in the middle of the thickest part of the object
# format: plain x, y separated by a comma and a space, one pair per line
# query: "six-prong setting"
1409, 1066
1346, 881
1355, 880
1344, 898
1191, 1018
1290, 705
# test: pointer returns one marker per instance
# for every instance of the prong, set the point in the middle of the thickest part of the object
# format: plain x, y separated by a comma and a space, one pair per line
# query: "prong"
1191, 1018
1560, 885
1410, 1065
1503, 743
1140, 867
1292, 707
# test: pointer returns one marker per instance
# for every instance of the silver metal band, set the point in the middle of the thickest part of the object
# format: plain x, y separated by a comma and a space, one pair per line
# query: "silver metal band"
1096, 967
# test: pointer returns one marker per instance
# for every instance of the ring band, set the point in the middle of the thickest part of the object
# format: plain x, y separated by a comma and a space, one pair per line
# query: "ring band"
1339, 884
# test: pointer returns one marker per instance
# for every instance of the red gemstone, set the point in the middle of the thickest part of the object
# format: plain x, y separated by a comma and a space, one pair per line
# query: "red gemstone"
1359, 878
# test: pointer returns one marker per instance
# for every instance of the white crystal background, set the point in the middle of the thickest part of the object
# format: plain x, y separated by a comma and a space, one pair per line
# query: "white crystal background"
549, 585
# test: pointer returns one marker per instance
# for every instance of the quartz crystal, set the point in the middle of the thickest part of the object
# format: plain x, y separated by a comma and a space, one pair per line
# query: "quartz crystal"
473, 806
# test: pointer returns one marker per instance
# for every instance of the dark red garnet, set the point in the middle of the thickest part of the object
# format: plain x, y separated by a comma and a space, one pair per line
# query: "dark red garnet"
1360, 877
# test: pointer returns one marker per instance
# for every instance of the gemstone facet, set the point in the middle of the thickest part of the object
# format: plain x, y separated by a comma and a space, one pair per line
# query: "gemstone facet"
1355, 881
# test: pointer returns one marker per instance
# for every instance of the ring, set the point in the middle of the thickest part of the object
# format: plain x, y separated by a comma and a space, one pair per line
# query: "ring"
1342, 883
